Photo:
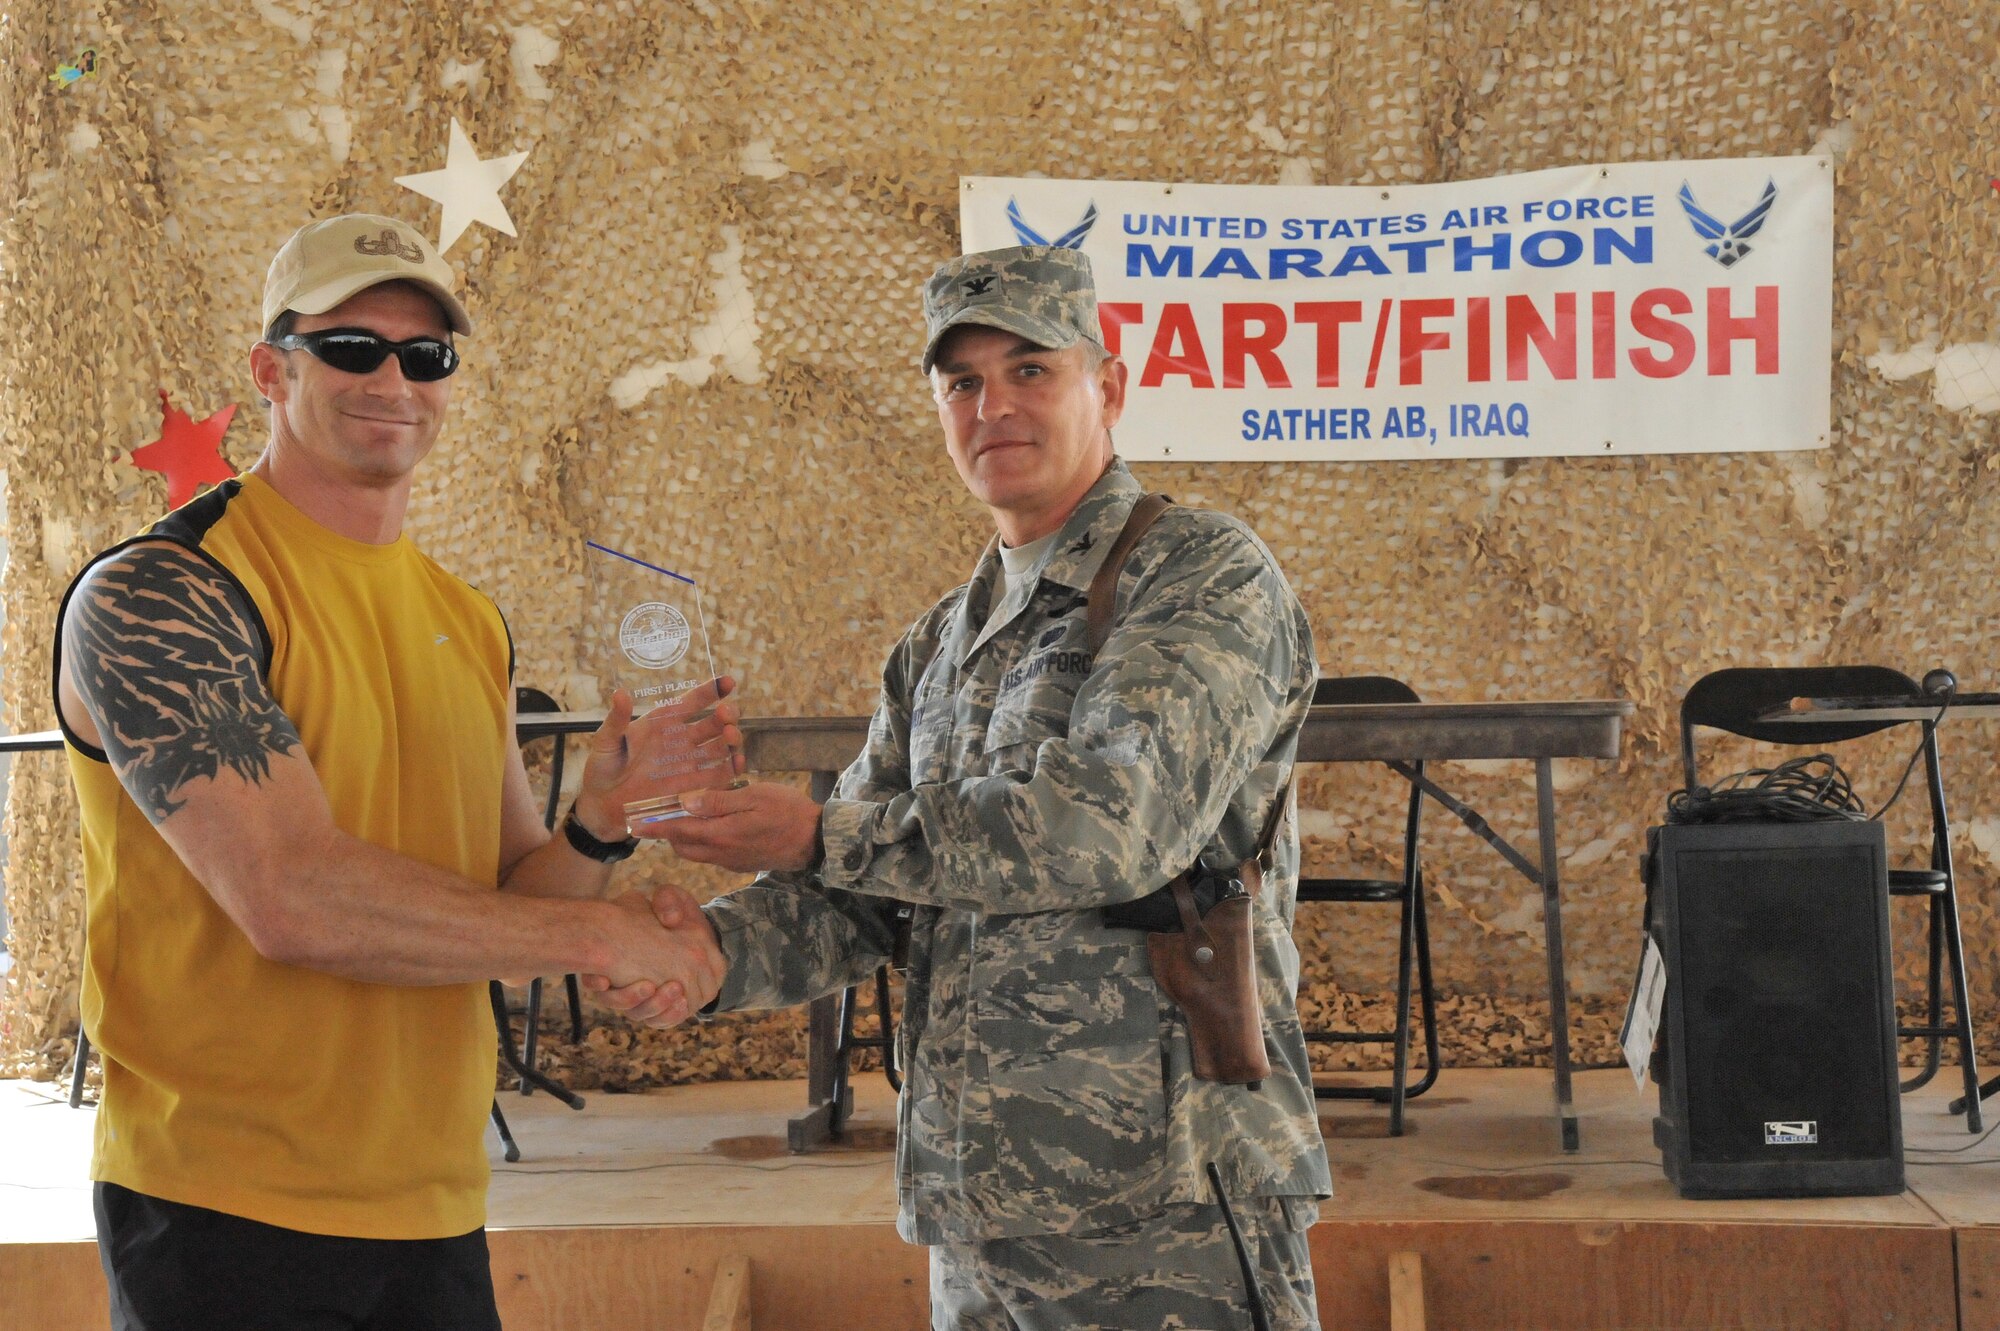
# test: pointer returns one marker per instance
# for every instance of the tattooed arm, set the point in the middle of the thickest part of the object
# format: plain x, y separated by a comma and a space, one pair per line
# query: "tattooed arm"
161, 667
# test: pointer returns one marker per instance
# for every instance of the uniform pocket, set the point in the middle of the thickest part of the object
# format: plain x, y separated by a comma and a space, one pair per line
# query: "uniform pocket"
1079, 1095
1033, 703
931, 723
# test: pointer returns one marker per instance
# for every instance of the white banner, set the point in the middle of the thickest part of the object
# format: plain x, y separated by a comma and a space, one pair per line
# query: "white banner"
1661, 307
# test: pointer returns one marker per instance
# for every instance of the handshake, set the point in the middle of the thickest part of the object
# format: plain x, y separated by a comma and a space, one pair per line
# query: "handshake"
667, 965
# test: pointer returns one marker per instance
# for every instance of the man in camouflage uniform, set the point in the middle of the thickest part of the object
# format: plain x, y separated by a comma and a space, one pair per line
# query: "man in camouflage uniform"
1052, 1138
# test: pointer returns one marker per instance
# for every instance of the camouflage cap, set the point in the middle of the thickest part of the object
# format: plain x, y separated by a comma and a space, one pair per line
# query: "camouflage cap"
1042, 292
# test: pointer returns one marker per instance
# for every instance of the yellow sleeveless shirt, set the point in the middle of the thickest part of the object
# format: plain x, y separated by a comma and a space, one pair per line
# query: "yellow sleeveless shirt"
269, 1091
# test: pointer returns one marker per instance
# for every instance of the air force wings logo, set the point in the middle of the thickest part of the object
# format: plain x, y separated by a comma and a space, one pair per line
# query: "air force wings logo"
1071, 239
1729, 238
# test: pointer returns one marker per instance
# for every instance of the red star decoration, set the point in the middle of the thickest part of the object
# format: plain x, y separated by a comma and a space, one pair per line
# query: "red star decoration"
187, 453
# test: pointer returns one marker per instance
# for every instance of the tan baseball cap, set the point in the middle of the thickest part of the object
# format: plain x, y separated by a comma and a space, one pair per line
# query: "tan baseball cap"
325, 262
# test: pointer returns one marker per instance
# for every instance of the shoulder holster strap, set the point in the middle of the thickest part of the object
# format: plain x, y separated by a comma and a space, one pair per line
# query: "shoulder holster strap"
1103, 593
1103, 604
1272, 822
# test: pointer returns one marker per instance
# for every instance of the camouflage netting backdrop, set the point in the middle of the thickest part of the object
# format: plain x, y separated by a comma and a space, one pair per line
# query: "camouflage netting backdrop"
704, 341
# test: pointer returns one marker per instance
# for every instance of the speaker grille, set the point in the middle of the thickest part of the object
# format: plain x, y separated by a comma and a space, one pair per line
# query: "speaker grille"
1781, 978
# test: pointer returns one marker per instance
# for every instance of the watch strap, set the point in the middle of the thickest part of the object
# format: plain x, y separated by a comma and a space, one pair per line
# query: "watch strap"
584, 843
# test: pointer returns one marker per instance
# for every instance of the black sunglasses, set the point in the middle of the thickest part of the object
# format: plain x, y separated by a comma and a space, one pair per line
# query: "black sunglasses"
357, 351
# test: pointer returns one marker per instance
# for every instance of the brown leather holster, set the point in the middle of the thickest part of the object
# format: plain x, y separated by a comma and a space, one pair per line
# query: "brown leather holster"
1209, 969
1208, 966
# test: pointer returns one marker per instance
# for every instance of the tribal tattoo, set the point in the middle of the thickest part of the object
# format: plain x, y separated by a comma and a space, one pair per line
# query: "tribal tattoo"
168, 658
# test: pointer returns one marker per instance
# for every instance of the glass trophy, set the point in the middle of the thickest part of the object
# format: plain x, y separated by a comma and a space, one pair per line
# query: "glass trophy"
659, 651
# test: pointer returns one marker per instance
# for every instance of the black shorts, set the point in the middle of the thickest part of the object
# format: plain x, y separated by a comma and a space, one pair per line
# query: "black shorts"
172, 1267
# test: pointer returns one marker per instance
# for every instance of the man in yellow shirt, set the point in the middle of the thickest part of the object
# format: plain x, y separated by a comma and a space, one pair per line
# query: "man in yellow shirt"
292, 738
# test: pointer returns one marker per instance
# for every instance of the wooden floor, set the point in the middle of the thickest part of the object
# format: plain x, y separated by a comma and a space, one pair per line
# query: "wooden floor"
621, 1215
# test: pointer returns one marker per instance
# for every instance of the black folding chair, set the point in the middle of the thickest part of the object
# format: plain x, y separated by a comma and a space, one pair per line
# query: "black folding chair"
1414, 939
1733, 700
527, 700
80, 1067
884, 1039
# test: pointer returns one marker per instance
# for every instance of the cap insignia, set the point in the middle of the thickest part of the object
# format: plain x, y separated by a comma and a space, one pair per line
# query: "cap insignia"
388, 243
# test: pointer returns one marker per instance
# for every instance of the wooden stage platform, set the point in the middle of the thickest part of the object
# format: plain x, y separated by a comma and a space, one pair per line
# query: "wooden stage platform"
622, 1215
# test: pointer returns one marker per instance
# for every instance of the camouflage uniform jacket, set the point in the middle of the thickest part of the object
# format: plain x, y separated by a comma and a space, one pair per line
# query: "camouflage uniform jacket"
1011, 786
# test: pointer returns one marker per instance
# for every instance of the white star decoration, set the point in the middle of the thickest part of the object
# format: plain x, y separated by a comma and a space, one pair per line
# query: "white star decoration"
468, 188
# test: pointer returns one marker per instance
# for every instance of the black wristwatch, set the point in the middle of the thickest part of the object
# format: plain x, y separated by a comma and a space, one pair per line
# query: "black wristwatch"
583, 843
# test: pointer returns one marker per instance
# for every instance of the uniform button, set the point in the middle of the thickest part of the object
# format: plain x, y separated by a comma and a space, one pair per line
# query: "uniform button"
855, 859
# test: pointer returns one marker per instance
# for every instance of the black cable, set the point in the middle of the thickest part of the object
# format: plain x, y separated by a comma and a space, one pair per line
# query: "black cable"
1930, 728
1980, 1140
1260, 1317
1808, 789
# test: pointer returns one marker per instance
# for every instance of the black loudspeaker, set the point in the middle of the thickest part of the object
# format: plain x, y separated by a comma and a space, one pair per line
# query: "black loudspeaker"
1777, 1057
